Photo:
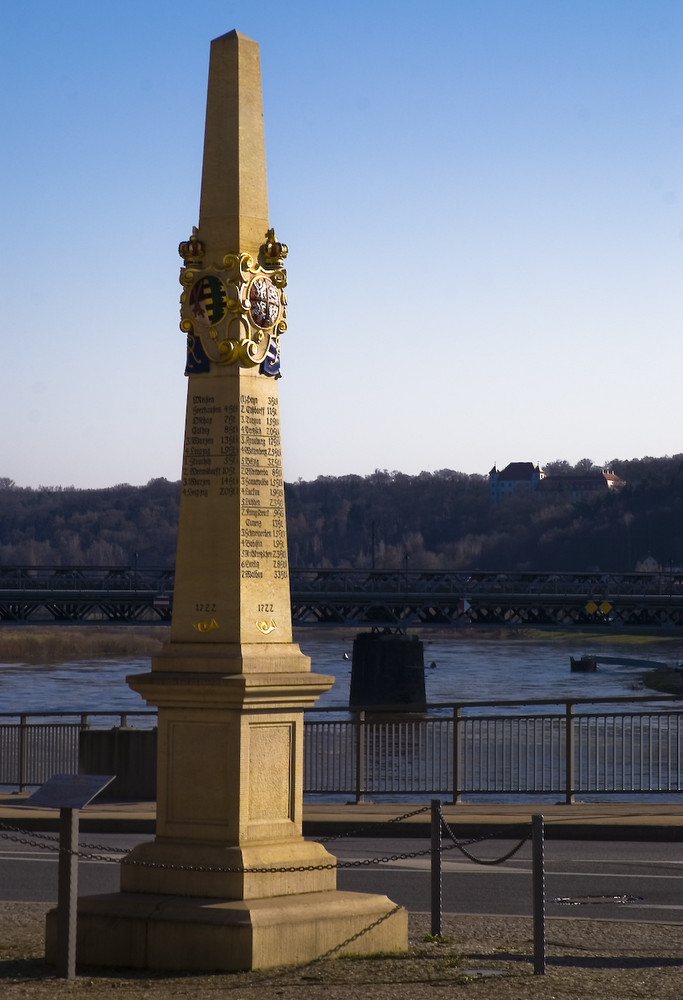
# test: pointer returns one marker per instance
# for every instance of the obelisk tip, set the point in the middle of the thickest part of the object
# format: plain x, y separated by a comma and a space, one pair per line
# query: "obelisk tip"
233, 212
237, 35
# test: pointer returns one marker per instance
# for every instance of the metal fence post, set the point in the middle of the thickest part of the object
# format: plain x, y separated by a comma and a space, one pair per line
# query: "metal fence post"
23, 753
538, 876
360, 756
569, 753
457, 715
436, 868
67, 893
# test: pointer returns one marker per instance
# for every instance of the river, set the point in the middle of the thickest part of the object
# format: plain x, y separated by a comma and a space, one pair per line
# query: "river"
465, 670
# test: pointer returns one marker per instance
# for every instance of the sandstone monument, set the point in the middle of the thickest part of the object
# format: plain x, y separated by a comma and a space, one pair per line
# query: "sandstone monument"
229, 882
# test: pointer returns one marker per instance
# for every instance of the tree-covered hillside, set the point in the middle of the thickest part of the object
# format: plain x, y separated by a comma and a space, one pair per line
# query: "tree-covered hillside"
444, 520
55, 526
439, 520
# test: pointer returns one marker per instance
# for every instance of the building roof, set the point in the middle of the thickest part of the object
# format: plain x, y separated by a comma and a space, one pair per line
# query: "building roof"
520, 471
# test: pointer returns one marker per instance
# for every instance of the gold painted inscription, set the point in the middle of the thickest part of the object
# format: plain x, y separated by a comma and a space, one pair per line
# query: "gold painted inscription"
233, 450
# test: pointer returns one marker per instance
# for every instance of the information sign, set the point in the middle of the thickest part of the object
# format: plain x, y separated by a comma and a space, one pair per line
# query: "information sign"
69, 791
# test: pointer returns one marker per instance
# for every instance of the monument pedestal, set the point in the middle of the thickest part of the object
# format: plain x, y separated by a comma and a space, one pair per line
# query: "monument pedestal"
229, 779
229, 881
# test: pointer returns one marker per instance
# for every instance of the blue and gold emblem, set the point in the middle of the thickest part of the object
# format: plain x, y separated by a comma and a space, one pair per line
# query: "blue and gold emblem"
234, 313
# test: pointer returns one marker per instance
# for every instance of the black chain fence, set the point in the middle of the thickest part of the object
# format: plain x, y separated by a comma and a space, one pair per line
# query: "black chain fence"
115, 855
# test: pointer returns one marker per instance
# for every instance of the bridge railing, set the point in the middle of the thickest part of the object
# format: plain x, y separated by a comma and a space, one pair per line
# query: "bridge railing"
159, 579
473, 582
569, 749
86, 578
95, 595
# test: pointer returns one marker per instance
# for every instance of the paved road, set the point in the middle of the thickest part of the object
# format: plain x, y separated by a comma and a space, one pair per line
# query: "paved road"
617, 881
593, 879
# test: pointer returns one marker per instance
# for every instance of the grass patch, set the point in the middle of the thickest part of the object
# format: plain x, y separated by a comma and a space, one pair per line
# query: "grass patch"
60, 643
667, 680
451, 962
603, 636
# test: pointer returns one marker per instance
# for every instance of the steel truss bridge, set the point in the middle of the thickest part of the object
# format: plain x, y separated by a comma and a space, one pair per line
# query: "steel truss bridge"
361, 598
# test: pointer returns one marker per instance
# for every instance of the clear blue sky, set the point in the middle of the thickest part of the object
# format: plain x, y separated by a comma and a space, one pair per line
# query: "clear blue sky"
483, 203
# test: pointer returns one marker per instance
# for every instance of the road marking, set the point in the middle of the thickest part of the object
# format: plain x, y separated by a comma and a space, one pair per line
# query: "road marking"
422, 864
656, 906
471, 867
620, 874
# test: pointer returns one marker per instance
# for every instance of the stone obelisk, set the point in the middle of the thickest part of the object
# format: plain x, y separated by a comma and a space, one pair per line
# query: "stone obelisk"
229, 882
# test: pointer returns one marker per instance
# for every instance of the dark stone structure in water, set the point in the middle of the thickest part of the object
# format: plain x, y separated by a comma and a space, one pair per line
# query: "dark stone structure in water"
387, 669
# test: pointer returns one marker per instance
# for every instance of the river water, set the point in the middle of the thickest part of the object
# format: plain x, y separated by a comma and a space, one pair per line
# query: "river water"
465, 670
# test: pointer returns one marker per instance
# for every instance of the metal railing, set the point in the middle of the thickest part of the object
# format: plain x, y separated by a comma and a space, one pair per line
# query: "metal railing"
36, 745
620, 746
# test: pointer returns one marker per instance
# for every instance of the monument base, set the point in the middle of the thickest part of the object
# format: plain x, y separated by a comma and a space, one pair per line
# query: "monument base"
196, 934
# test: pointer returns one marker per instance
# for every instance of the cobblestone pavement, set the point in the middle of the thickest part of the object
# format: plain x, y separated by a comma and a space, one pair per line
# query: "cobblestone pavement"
480, 956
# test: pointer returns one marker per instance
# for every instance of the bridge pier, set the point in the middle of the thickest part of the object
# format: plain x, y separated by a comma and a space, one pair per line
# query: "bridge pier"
387, 669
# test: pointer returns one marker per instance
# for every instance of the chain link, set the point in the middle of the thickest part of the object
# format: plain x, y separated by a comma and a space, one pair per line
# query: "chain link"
460, 845
84, 852
52, 845
239, 870
35, 833
355, 937
86, 855
279, 978
356, 830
